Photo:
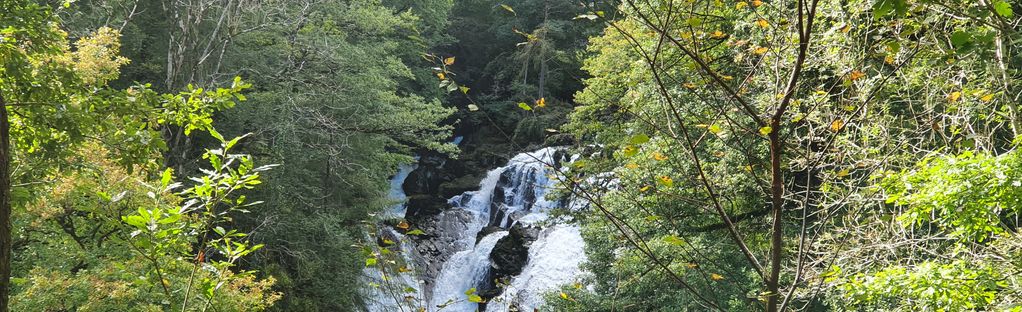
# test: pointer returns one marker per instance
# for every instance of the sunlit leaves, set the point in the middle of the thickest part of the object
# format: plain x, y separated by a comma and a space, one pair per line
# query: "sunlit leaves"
1003, 8
884, 8
473, 296
856, 75
639, 139
954, 96
665, 181
524, 106
837, 125
508, 8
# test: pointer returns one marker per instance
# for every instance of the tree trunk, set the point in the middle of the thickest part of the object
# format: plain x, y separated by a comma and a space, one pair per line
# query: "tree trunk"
776, 204
5, 206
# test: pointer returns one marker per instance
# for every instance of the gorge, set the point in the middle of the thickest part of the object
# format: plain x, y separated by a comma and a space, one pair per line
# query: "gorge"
500, 247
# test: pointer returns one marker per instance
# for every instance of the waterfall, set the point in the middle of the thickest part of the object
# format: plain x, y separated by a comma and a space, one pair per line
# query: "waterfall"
554, 261
393, 291
511, 196
462, 272
397, 193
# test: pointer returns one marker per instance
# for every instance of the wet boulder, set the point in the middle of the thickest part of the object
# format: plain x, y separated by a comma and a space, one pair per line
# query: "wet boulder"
511, 253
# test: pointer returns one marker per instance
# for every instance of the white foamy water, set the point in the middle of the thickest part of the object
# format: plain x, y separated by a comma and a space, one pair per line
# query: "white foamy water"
554, 261
515, 193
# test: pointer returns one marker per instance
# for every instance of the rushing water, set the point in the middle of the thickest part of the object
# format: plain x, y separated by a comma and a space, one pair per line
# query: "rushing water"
515, 193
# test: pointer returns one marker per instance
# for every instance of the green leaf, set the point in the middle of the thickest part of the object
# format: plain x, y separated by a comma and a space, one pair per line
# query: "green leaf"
960, 39
470, 291
370, 261
168, 174
416, 232
639, 139
475, 298
216, 134
630, 151
884, 8
525, 106
674, 240
1003, 8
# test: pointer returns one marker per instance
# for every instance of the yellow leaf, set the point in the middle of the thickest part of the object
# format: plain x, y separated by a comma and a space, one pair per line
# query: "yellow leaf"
715, 129
846, 29
987, 98
666, 181
689, 85
836, 125
463, 89
644, 188
541, 102
716, 277
766, 130
954, 96
727, 78
717, 35
889, 59
691, 265
565, 296
403, 225
449, 61
741, 4
659, 157
441, 76
856, 74
757, 3
632, 166
762, 23
760, 50
842, 173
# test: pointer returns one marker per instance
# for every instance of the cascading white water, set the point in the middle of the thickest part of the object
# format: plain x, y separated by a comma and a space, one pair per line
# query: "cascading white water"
515, 193
463, 272
397, 192
554, 261
394, 291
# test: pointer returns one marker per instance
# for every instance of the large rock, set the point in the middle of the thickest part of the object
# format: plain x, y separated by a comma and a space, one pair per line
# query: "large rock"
511, 253
421, 207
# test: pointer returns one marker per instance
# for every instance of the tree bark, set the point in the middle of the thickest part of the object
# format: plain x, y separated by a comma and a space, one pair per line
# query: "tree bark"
776, 204
5, 206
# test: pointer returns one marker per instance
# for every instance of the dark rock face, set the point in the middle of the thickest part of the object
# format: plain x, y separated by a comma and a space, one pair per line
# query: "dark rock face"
511, 253
421, 207
508, 258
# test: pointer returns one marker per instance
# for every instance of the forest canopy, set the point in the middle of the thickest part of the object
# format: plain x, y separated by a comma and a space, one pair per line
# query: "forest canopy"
676, 155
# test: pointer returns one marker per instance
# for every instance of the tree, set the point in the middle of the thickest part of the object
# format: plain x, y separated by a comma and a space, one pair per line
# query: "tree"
54, 98
754, 130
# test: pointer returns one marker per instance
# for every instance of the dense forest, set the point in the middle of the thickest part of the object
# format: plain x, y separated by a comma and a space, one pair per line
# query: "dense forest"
526, 155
